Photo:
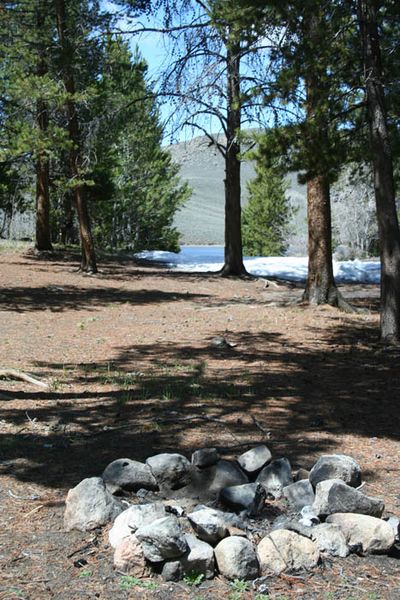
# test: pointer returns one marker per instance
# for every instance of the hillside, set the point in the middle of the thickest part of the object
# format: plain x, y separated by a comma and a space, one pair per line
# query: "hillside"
201, 221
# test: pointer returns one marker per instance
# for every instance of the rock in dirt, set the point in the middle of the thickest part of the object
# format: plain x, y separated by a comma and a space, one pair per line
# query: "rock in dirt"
394, 523
299, 494
302, 474
205, 457
170, 470
129, 558
275, 476
373, 535
255, 459
336, 466
209, 524
132, 518
308, 516
333, 496
129, 475
236, 558
249, 497
284, 550
330, 539
90, 505
199, 558
162, 539
225, 474
172, 571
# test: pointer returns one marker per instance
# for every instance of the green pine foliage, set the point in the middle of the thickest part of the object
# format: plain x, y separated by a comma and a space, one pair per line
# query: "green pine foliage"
136, 188
265, 217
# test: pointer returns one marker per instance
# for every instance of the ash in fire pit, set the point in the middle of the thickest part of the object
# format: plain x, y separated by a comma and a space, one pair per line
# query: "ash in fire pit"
242, 519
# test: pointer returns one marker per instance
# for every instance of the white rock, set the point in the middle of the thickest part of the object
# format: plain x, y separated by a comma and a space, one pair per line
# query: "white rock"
283, 549
255, 459
90, 505
329, 538
373, 535
132, 518
236, 558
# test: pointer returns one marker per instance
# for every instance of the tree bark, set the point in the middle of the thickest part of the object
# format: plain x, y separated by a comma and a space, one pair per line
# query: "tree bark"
88, 261
43, 234
320, 286
233, 259
388, 225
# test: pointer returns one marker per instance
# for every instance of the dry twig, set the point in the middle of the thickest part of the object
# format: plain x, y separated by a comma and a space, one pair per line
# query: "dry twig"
15, 374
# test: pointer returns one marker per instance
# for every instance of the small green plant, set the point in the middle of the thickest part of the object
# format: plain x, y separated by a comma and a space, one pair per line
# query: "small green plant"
193, 578
262, 597
15, 592
127, 582
84, 574
240, 585
235, 596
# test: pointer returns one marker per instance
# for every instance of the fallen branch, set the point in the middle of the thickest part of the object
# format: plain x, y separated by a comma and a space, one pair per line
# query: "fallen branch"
260, 427
15, 374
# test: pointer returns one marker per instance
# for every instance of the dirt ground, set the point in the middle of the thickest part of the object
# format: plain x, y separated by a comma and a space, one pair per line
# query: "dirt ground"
134, 371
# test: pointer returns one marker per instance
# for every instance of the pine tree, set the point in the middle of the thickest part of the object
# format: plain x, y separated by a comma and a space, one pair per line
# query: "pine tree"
136, 189
265, 217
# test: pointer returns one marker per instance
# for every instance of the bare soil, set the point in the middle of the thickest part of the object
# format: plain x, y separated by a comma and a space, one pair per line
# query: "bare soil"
133, 370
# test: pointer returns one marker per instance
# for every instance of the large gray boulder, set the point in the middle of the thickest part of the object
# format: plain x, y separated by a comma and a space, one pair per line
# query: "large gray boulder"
162, 539
205, 457
283, 550
209, 524
207, 482
132, 518
336, 466
170, 470
299, 494
249, 497
90, 505
129, 558
372, 535
255, 459
334, 496
225, 474
199, 558
129, 475
236, 558
275, 476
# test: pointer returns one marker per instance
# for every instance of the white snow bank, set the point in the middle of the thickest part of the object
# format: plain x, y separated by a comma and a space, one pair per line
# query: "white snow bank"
290, 268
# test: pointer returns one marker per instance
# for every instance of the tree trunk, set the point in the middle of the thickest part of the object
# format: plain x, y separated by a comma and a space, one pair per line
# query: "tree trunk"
43, 234
88, 261
388, 226
320, 286
233, 263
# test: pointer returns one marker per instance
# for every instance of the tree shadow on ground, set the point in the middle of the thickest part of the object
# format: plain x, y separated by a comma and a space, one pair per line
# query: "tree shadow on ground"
66, 297
166, 397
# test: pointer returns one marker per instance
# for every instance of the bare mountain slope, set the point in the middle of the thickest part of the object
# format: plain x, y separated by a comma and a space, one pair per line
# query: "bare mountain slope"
201, 221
